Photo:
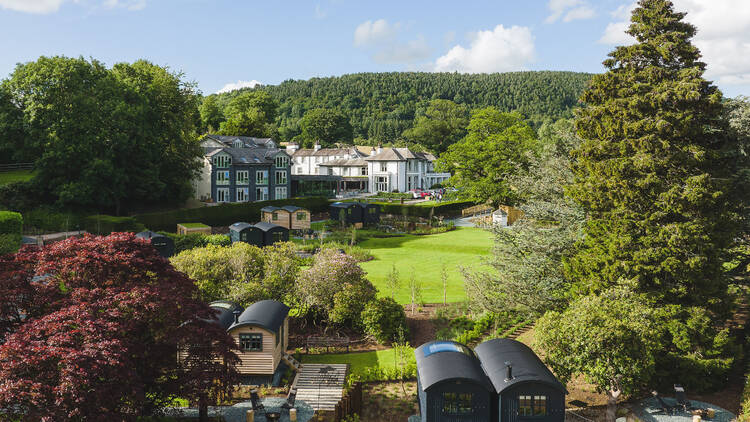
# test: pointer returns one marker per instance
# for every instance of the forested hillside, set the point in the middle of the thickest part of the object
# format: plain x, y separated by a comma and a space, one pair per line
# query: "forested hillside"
380, 106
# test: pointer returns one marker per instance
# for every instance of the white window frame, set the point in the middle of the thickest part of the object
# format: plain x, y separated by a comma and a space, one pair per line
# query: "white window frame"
261, 193
222, 161
363, 171
280, 192
222, 177
261, 177
222, 195
242, 177
282, 162
242, 194
383, 167
283, 175
382, 184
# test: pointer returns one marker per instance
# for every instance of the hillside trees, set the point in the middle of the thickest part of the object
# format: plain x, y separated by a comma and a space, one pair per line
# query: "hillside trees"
211, 115
96, 335
327, 126
443, 124
252, 113
528, 257
494, 148
107, 139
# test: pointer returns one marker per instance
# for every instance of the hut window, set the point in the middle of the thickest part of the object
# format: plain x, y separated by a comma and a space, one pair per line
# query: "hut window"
252, 342
301, 216
457, 404
540, 405
532, 405
278, 236
275, 216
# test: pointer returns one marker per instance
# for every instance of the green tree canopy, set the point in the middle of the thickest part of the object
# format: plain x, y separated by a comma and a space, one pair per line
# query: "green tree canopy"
252, 113
656, 172
443, 124
326, 126
211, 114
495, 147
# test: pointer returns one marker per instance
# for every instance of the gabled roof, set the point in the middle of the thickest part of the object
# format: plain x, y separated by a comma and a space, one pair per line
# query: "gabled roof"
268, 314
329, 152
267, 226
400, 154
269, 208
248, 141
291, 208
439, 361
248, 155
225, 312
525, 364
239, 226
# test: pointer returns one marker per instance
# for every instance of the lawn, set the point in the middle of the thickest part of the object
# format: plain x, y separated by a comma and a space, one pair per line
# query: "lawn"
15, 176
424, 256
358, 361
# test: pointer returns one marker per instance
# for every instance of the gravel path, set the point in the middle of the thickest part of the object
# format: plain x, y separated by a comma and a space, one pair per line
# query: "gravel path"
237, 412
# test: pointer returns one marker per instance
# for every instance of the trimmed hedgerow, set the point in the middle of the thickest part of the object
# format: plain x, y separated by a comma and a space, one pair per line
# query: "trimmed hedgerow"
11, 227
106, 224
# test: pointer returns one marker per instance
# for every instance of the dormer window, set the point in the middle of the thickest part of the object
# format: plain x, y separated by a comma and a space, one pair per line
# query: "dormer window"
282, 161
238, 143
222, 161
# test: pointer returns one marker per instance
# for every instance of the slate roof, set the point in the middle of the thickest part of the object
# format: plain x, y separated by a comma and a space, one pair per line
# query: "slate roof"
268, 314
344, 162
269, 208
328, 152
439, 361
525, 364
292, 208
249, 141
239, 226
344, 204
400, 154
225, 315
148, 235
248, 155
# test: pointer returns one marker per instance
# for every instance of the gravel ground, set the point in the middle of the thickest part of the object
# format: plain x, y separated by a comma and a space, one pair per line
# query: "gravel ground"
237, 412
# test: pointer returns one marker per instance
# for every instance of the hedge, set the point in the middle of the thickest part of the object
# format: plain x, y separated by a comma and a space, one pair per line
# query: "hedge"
224, 214
11, 227
106, 224
417, 210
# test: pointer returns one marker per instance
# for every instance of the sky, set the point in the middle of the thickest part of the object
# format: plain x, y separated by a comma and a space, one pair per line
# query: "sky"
222, 44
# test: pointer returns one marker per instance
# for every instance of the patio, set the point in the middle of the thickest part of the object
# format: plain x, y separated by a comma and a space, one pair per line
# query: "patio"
238, 412
649, 410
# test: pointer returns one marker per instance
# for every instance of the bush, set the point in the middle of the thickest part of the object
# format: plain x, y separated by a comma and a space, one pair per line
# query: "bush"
224, 214
695, 373
420, 210
106, 224
382, 319
21, 196
49, 220
218, 239
11, 227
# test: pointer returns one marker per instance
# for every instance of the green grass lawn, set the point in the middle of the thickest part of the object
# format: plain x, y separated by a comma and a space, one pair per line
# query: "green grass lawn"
424, 256
358, 361
15, 176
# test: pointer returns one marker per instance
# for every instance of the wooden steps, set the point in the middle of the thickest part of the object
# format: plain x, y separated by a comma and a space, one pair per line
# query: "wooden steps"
321, 385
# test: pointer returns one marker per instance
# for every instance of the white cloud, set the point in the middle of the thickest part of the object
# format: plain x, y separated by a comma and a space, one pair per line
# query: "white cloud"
499, 50
238, 85
374, 32
569, 10
723, 35
126, 4
32, 6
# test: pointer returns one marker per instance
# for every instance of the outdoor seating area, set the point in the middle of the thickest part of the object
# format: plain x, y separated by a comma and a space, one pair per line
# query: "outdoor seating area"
671, 409
271, 406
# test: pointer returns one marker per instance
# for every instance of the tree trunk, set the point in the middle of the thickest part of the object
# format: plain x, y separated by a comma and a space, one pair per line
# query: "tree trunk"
202, 410
612, 396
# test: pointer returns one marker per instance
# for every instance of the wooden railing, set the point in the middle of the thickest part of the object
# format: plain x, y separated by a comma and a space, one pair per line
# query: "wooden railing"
16, 166
350, 404
327, 342
476, 209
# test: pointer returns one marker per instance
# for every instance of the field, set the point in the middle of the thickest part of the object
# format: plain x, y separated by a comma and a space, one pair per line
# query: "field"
15, 176
423, 257
358, 361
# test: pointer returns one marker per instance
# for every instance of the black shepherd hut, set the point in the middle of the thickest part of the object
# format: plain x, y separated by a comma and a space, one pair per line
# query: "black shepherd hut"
352, 212
163, 244
246, 232
273, 233
451, 384
526, 390
370, 213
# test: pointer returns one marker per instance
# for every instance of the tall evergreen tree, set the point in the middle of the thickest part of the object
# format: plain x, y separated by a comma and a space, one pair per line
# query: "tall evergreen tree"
654, 172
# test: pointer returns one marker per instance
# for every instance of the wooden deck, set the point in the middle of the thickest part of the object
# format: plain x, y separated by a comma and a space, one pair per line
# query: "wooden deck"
321, 385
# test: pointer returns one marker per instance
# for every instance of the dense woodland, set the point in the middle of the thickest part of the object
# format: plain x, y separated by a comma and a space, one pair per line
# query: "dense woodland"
381, 106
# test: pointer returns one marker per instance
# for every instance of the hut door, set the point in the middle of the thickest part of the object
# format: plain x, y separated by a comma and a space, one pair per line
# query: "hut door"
510, 410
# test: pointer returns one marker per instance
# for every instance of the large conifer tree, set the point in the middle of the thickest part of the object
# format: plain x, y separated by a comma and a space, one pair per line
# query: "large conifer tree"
655, 173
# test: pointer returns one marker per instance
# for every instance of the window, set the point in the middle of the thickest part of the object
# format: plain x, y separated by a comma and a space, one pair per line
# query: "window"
457, 404
238, 143
301, 216
381, 184
364, 171
251, 342
243, 177
281, 177
222, 177
242, 195
372, 210
278, 236
274, 216
261, 194
532, 405
280, 193
222, 195
261, 177
222, 161
282, 161
383, 167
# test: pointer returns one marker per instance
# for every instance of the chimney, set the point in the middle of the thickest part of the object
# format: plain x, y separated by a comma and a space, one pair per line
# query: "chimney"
372, 151
509, 371
380, 148
317, 146
292, 147
236, 316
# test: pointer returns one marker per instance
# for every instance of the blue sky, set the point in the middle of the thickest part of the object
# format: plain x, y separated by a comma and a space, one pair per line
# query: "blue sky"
220, 42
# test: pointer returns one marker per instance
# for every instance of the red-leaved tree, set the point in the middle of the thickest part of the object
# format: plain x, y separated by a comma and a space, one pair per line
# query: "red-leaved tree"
91, 329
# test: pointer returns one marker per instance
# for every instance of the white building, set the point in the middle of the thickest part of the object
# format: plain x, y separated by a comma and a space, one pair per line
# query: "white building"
402, 170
